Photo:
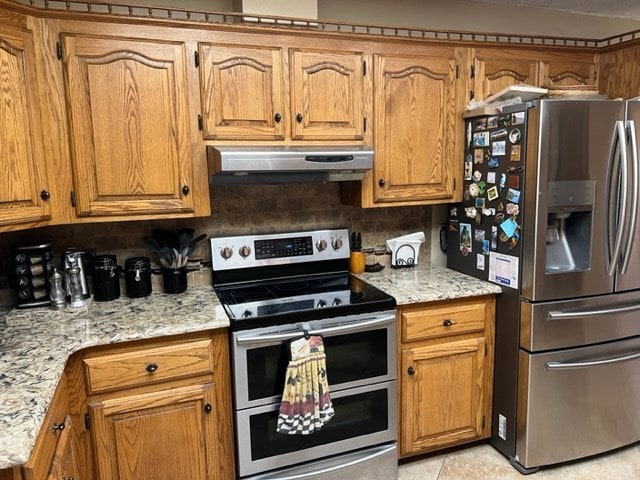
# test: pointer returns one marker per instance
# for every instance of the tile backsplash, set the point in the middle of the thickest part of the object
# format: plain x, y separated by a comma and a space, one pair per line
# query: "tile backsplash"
236, 210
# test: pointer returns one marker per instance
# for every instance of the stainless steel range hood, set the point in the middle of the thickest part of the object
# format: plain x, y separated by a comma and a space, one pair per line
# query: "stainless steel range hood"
286, 164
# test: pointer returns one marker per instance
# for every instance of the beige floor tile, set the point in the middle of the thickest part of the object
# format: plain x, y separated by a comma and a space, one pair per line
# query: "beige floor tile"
421, 468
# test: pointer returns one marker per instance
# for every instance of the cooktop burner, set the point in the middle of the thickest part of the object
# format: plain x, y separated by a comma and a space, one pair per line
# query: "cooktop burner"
304, 277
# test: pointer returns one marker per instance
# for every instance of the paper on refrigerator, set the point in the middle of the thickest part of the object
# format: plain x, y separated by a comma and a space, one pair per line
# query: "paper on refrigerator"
503, 269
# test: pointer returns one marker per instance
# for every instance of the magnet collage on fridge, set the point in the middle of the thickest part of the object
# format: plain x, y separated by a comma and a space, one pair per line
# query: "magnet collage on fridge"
489, 218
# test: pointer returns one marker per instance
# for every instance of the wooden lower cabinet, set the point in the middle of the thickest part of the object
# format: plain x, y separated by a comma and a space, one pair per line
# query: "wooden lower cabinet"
163, 434
165, 413
445, 373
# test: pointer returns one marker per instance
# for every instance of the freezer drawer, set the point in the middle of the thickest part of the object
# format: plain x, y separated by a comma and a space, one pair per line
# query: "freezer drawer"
577, 322
577, 402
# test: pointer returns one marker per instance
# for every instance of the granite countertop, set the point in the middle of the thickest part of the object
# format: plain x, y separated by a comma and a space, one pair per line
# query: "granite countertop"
36, 343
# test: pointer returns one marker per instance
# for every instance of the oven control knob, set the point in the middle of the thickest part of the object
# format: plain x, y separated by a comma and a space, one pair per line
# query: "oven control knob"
321, 245
337, 243
322, 303
226, 253
247, 314
336, 302
244, 251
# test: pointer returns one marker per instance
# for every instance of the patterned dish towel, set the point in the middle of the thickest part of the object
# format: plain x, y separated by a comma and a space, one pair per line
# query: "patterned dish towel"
306, 403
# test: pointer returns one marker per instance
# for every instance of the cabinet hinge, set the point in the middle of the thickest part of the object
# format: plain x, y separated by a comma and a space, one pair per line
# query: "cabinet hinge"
87, 421
483, 421
486, 347
471, 94
59, 50
472, 72
457, 72
364, 124
196, 58
200, 124
454, 184
364, 68
72, 197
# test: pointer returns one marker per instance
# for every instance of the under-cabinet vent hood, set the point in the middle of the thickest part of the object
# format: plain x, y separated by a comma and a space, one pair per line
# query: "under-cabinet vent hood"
286, 164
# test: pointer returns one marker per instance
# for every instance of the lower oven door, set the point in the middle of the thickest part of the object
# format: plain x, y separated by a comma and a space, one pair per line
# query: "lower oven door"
360, 350
577, 402
364, 417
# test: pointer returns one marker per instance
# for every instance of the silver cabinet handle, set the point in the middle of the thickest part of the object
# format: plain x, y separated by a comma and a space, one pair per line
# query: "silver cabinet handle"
553, 315
280, 337
593, 363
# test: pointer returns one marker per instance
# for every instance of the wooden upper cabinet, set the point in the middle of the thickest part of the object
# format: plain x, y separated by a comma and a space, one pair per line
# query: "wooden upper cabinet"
418, 102
495, 69
129, 127
251, 92
242, 92
568, 69
23, 184
327, 91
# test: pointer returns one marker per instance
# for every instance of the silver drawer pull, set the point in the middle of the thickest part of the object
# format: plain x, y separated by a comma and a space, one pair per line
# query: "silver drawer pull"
555, 315
593, 363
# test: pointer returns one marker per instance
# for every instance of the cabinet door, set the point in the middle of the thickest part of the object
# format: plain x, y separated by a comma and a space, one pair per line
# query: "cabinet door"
443, 400
130, 140
495, 69
327, 91
161, 435
242, 92
23, 187
417, 127
568, 70
63, 465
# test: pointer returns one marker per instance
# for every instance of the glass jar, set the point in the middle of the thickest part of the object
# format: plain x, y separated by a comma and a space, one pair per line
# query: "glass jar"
106, 281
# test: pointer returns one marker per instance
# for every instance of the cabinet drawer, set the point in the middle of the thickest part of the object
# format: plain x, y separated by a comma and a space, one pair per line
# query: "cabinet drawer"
148, 365
443, 319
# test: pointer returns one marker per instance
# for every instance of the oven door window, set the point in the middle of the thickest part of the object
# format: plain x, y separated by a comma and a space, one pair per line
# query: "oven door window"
351, 360
355, 416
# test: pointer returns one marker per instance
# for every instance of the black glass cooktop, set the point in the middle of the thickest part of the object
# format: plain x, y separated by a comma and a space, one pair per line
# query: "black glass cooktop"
288, 300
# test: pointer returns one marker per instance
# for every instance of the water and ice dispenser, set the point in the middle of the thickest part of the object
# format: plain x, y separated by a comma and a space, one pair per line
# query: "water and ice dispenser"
569, 226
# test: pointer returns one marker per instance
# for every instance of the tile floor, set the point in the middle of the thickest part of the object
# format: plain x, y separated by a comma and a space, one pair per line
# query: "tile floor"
482, 462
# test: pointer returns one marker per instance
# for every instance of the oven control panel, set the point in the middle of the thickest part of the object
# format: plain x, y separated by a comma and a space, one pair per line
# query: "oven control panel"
245, 251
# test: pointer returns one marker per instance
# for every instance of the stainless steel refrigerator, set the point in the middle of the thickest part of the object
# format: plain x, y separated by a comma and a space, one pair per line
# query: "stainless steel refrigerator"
550, 213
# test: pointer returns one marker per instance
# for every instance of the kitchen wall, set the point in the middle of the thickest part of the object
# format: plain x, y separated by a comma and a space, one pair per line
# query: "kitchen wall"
237, 209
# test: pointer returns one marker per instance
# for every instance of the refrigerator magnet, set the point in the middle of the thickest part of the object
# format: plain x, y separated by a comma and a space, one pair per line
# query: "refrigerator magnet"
465, 238
491, 177
481, 139
515, 153
470, 212
479, 202
480, 124
492, 193
468, 167
499, 148
515, 136
477, 176
492, 122
494, 162
472, 188
498, 134
508, 227
478, 235
485, 247
488, 212
513, 195
514, 181
513, 209
480, 261
494, 238
453, 212
481, 187
503, 180
517, 118
478, 155
504, 121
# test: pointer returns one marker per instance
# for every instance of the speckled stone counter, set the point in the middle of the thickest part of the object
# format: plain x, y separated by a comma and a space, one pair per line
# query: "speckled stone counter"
428, 283
36, 343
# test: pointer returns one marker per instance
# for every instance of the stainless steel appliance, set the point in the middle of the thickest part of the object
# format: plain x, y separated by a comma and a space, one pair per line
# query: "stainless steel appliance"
277, 287
291, 163
550, 212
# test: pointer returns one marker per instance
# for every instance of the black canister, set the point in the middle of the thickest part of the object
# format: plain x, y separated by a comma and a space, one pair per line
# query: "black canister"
106, 284
137, 276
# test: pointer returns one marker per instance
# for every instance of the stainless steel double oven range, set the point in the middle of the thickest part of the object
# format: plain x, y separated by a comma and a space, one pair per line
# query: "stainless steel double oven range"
277, 287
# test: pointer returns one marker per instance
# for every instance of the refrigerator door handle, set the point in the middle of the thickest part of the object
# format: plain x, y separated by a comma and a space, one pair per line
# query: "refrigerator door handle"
635, 174
590, 363
556, 315
616, 203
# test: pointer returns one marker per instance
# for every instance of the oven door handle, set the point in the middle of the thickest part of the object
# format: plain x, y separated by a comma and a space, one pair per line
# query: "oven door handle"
281, 337
368, 455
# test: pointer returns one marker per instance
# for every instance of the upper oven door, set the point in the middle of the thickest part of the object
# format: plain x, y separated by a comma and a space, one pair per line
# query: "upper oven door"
360, 350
